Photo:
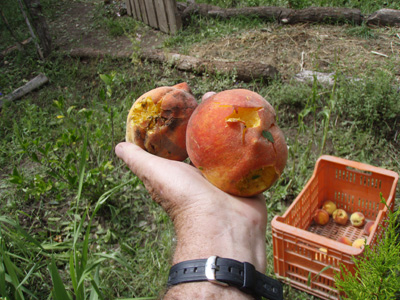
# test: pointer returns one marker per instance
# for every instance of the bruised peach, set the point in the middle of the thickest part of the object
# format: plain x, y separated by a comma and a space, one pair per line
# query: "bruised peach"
357, 219
321, 217
233, 139
329, 206
340, 216
369, 227
158, 119
345, 240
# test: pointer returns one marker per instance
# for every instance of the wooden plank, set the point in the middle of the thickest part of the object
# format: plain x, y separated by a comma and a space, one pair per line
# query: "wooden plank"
138, 13
173, 17
161, 16
134, 10
128, 7
143, 12
151, 13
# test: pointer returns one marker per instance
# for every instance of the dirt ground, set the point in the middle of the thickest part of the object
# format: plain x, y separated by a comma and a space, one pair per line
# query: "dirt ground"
290, 48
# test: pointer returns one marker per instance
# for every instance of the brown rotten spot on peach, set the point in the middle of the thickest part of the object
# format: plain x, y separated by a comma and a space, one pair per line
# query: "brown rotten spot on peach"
158, 119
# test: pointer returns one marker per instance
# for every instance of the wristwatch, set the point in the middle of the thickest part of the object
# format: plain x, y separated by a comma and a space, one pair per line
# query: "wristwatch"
227, 272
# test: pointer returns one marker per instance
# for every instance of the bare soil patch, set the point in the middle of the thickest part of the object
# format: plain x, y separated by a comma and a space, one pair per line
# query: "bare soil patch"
323, 48
289, 48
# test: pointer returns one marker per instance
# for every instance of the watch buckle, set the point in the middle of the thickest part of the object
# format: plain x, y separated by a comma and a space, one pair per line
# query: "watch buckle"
211, 268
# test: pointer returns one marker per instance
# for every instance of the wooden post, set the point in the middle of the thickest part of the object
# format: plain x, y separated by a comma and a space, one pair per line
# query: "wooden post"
21, 6
40, 25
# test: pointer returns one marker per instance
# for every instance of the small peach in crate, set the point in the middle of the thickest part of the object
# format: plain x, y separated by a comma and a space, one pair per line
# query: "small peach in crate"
158, 120
329, 206
234, 140
340, 216
369, 227
357, 219
345, 240
359, 243
321, 217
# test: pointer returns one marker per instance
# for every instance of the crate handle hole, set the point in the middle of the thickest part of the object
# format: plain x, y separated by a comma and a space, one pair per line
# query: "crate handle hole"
368, 173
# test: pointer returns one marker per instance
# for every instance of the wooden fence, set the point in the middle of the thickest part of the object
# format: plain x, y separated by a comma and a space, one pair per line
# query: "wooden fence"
159, 14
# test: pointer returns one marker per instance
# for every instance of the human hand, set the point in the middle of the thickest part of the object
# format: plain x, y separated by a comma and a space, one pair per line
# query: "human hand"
207, 220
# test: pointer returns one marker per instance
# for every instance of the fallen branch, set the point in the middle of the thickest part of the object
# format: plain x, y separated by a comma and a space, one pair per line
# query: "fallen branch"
385, 17
244, 70
282, 15
15, 47
382, 17
25, 89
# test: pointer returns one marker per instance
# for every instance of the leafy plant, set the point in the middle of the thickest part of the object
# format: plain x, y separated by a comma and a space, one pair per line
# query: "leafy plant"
371, 104
377, 271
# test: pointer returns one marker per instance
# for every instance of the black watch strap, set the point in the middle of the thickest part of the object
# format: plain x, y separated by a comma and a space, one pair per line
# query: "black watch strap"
227, 272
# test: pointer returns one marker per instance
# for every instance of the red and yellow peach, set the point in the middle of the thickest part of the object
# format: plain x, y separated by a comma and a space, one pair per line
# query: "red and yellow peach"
234, 140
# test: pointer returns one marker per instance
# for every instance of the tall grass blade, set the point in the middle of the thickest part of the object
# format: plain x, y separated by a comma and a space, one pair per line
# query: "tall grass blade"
59, 292
317, 275
82, 165
11, 270
21, 231
2, 279
87, 271
27, 276
95, 293
114, 256
72, 272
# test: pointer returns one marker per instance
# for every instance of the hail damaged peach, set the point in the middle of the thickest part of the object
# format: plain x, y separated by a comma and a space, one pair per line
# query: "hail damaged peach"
158, 119
233, 139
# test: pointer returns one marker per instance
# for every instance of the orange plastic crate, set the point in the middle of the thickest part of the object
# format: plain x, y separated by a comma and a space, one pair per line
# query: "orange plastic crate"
302, 248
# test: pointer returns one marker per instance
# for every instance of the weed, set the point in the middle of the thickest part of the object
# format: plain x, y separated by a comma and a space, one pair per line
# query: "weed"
377, 271
362, 31
371, 104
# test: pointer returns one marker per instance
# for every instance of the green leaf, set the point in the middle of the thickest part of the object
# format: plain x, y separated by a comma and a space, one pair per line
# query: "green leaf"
2, 279
59, 291
268, 136
12, 270
317, 275
34, 157
102, 95
70, 109
106, 79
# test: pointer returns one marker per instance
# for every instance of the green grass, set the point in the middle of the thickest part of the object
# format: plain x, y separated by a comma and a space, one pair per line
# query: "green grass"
74, 221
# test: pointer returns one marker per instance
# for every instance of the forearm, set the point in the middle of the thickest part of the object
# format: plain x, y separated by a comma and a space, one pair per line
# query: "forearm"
204, 290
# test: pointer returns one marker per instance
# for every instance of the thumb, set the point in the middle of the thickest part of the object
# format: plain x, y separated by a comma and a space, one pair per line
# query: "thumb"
138, 160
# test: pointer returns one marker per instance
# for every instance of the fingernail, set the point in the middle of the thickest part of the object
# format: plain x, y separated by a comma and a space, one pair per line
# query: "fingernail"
119, 150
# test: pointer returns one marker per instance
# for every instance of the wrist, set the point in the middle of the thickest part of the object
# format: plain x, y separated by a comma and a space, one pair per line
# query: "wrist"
224, 272
228, 233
